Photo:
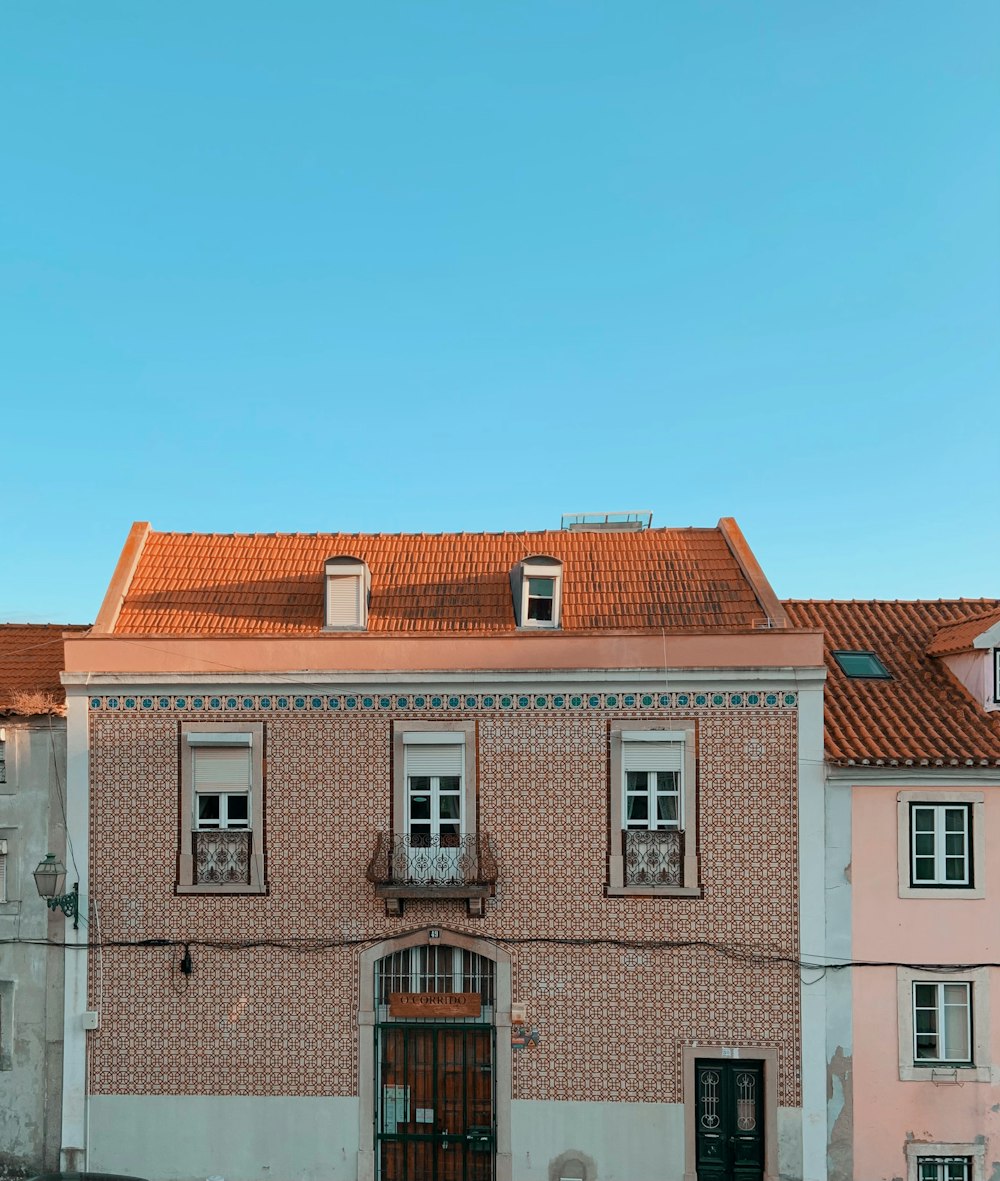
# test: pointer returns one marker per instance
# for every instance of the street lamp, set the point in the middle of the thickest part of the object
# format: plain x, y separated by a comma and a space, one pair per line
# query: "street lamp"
50, 880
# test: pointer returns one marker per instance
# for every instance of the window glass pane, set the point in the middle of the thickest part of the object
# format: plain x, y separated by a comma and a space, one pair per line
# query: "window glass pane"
208, 808
925, 1020
954, 869
420, 807
449, 807
636, 781
450, 783
540, 609
237, 810
954, 844
666, 780
637, 809
923, 819
956, 1023
420, 783
954, 820
666, 810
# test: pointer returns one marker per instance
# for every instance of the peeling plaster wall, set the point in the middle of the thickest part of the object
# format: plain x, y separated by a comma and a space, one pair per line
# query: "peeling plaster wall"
31, 978
839, 1031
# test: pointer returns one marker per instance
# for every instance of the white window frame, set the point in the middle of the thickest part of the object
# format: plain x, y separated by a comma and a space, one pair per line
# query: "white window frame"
947, 995
346, 579
913, 1070
532, 568
682, 732
975, 847
221, 734
444, 733
916, 1151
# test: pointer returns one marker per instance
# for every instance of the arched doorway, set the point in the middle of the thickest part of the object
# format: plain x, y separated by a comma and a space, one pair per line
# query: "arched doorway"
435, 1059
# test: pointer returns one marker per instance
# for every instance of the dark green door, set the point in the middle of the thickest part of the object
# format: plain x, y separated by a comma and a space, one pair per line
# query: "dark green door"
730, 1119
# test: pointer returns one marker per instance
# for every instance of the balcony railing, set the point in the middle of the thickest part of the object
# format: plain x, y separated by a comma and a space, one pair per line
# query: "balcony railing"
653, 857
221, 856
408, 865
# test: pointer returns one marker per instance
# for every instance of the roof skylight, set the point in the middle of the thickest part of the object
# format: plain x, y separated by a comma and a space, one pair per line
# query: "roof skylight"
862, 666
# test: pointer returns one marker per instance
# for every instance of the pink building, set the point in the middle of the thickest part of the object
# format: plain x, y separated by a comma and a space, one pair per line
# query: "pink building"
453, 857
913, 887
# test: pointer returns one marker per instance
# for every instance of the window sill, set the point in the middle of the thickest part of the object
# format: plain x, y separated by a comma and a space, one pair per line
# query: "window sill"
653, 891
950, 893
943, 1074
219, 888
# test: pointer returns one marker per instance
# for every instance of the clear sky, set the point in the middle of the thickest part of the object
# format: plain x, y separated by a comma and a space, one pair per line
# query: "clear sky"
432, 265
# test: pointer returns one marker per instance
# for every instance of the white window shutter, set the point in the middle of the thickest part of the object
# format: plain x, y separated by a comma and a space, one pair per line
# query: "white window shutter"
653, 756
221, 769
435, 760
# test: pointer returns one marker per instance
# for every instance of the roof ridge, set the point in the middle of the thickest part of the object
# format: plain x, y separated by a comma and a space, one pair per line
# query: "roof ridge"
442, 533
902, 602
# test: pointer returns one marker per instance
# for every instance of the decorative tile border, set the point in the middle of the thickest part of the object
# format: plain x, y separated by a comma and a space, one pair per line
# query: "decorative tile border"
375, 702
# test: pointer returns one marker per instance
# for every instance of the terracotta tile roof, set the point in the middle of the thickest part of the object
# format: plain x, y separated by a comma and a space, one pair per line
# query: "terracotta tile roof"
923, 715
958, 637
31, 659
259, 584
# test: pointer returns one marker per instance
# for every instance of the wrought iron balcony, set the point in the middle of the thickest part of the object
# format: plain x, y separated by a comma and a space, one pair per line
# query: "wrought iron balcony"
417, 865
653, 857
221, 856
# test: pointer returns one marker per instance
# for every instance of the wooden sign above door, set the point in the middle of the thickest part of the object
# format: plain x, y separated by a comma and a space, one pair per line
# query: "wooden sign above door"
435, 1004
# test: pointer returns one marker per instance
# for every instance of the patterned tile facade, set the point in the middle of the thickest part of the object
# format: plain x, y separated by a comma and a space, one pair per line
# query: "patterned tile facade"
283, 1021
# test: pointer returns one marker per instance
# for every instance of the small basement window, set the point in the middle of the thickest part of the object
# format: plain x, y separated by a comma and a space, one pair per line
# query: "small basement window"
861, 666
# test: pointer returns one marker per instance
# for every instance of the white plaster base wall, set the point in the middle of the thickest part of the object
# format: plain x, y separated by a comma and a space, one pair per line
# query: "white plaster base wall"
625, 1141
239, 1138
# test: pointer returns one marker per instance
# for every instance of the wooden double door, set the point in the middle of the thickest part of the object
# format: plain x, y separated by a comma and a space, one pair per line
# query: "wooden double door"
729, 1130
435, 1119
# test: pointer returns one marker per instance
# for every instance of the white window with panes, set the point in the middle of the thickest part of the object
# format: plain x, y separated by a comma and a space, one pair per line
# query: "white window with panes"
537, 585
940, 844
653, 845
942, 1023
434, 803
944, 1162
940, 847
944, 1026
944, 1168
221, 790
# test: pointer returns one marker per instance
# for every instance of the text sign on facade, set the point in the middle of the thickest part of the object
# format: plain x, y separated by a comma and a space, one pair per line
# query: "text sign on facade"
435, 1004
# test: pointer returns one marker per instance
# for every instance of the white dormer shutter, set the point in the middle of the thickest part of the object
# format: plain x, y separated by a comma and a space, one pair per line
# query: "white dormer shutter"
347, 582
343, 601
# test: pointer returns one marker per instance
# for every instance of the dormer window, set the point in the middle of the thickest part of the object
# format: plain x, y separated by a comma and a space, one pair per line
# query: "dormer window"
348, 583
537, 586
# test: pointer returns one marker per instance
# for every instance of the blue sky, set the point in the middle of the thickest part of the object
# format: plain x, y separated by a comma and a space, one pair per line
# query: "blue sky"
427, 266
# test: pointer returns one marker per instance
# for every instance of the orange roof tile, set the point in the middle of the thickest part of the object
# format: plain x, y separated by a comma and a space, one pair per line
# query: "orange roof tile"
272, 584
923, 714
31, 659
958, 637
